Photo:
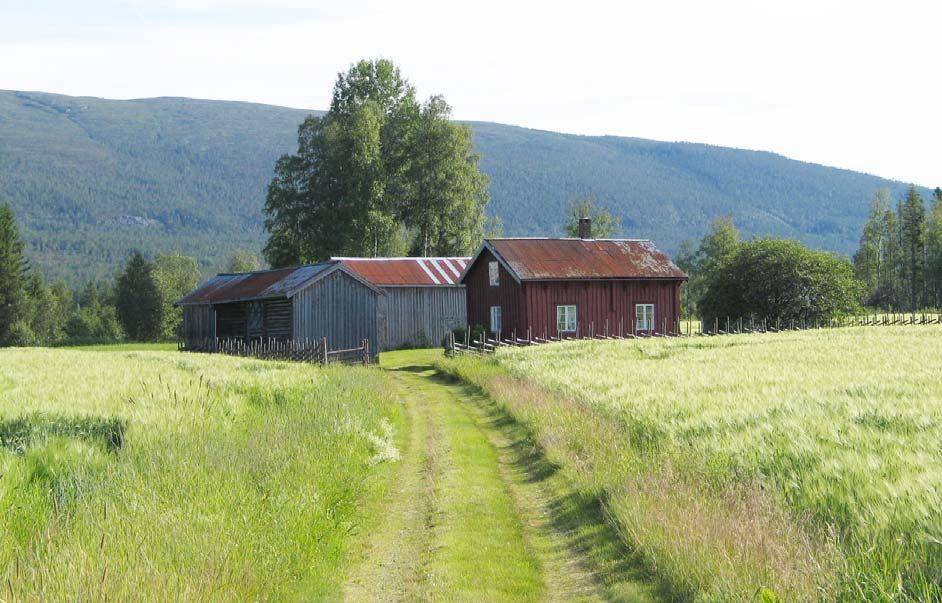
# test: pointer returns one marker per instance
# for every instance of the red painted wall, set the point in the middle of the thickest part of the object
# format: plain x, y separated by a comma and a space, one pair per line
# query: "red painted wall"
481, 296
601, 306
533, 303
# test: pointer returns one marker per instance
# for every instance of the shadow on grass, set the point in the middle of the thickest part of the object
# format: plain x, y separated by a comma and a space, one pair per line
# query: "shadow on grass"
418, 368
580, 518
17, 434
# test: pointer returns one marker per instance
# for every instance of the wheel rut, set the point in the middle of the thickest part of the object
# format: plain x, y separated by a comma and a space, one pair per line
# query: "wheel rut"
475, 513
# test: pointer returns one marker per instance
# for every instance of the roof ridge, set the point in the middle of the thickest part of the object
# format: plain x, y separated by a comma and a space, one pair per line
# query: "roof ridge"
416, 257
562, 239
267, 270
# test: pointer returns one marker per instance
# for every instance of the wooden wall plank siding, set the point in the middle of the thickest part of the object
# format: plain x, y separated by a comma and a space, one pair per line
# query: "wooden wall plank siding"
233, 320
481, 296
278, 318
532, 304
420, 316
596, 302
337, 307
199, 325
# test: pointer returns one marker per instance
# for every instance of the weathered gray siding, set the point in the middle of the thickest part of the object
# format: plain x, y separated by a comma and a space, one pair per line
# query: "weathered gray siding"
278, 318
337, 307
199, 326
249, 320
420, 316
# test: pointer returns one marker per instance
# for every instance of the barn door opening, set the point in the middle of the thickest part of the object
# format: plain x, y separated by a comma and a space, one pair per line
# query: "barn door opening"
255, 322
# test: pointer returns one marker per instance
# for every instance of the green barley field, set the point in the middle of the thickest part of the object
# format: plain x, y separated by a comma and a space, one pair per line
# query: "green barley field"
796, 466
132, 474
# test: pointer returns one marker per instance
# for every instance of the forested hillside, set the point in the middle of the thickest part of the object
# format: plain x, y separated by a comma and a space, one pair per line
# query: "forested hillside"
91, 179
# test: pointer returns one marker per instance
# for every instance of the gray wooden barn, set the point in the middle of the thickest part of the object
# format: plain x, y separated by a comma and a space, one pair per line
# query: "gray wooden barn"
422, 299
302, 303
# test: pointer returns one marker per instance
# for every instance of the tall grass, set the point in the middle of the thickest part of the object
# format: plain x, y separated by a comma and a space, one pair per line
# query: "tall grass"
232, 479
805, 463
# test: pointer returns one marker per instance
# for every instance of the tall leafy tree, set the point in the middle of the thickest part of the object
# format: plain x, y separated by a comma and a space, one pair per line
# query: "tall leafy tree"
912, 224
379, 174
50, 309
444, 192
138, 301
717, 247
493, 227
174, 275
94, 318
870, 259
243, 261
780, 279
604, 224
13, 276
687, 260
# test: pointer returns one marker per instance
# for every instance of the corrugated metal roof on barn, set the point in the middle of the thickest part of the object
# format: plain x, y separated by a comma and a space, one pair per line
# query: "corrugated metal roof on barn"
567, 259
408, 272
262, 284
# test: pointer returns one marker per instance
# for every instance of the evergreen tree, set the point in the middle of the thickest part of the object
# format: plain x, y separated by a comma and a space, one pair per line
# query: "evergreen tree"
14, 310
912, 224
890, 290
934, 251
137, 300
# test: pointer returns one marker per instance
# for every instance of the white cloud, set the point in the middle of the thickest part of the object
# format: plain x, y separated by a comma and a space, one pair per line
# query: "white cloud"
853, 85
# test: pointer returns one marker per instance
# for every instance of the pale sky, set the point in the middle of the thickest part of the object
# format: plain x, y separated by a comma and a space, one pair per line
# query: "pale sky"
849, 84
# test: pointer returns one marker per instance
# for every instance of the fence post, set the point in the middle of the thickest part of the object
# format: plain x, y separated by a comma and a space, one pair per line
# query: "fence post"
366, 352
324, 351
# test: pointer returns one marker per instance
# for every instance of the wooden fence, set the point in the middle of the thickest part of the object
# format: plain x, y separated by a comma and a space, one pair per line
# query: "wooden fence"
687, 328
728, 326
306, 350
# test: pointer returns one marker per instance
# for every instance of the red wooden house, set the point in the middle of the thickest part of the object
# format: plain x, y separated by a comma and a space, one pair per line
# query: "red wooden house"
572, 288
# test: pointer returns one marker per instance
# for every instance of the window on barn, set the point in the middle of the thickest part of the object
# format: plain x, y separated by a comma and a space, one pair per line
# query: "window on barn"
495, 319
644, 317
494, 273
566, 319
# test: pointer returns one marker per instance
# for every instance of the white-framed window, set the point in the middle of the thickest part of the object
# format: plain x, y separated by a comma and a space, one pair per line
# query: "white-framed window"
566, 319
495, 319
493, 274
644, 317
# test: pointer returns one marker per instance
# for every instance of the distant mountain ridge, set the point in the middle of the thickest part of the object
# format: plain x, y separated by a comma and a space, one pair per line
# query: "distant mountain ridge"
91, 179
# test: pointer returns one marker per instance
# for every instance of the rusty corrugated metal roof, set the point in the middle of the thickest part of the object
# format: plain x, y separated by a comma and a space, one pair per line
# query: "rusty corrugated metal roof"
262, 284
565, 259
405, 272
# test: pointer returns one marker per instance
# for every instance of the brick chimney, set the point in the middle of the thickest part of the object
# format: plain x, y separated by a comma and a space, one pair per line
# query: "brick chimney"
585, 228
